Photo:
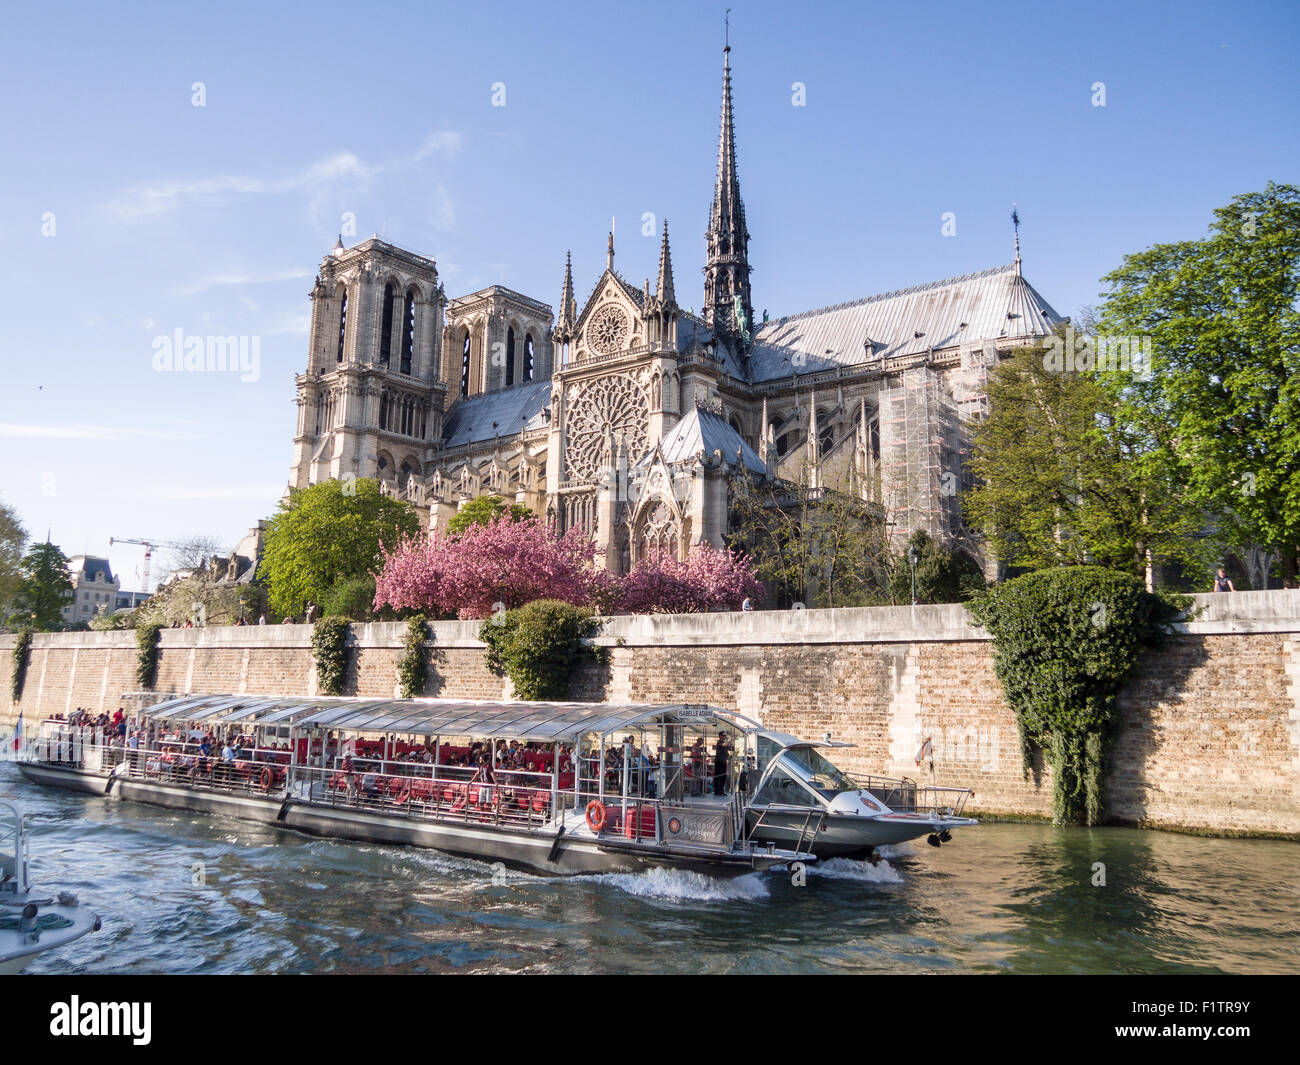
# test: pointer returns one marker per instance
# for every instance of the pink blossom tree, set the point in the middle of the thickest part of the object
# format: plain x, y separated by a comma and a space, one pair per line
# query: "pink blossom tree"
707, 579
506, 562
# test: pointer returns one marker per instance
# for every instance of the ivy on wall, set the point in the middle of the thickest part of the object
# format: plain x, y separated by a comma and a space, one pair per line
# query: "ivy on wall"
412, 670
22, 654
146, 663
329, 646
1064, 642
537, 645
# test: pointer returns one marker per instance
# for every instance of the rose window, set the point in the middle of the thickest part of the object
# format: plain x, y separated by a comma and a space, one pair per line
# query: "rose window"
612, 408
608, 330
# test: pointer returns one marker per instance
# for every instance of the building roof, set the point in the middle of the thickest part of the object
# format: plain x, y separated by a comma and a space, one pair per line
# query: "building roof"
703, 430
989, 305
90, 568
513, 409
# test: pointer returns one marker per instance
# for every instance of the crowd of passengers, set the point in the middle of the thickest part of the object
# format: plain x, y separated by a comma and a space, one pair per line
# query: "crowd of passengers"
187, 750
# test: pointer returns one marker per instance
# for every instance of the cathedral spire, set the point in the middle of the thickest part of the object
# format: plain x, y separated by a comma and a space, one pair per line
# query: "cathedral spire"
568, 307
727, 305
664, 284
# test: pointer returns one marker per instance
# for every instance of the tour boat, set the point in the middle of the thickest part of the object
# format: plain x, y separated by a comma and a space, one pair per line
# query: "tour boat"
554, 787
31, 923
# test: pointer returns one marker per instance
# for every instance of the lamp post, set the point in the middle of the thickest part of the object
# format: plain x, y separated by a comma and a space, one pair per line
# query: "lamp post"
913, 557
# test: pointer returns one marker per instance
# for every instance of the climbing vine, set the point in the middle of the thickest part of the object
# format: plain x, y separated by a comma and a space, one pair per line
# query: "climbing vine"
146, 663
329, 645
412, 670
537, 645
1064, 642
22, 648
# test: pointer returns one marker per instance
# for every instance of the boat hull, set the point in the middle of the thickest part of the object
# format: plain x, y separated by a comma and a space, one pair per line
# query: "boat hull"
849, 836
531, 850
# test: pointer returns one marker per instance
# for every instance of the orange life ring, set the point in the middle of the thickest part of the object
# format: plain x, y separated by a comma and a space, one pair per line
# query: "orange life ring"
266, 779
596, 815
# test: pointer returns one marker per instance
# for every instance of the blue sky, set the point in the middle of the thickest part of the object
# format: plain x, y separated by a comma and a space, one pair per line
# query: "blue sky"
213, 219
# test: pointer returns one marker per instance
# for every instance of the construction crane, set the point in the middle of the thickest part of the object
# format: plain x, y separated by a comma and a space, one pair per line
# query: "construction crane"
148, 546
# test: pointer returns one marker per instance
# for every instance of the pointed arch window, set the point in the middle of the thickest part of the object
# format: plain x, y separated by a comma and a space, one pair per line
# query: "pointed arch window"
386, 330
464, 367
529, 365
383, 410
343, 322
510, 356
408, 331
825, 434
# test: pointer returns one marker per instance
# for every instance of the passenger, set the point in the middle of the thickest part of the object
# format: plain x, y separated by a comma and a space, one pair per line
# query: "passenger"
697, 757
721, 756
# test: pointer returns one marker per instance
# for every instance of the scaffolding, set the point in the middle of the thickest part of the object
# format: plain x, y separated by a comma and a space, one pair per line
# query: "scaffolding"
919, 452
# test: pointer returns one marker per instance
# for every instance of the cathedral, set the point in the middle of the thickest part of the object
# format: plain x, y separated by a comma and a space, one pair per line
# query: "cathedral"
631, 417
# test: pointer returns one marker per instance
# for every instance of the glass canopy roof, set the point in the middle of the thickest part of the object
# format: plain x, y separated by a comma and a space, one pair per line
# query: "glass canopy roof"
539, 721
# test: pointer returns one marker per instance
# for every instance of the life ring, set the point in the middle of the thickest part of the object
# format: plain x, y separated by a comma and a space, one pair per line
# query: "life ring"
596, 815
266, 779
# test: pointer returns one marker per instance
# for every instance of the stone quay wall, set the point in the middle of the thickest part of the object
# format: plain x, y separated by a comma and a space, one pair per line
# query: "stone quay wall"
1209, 738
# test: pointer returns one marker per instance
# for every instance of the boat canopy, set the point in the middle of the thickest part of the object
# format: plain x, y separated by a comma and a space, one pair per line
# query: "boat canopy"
550, 722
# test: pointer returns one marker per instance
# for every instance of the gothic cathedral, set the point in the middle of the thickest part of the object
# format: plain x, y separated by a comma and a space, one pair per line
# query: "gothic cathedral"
630, 417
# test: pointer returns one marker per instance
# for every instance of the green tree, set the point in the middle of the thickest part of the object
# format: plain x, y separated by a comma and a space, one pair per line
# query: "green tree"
1223, 402
44, 588
943, 574
483, 511
12, 538
327, 533
1063, 476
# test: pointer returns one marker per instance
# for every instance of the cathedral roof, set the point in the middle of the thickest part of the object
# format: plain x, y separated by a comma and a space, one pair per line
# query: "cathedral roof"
989, 305
470, 420
702, 430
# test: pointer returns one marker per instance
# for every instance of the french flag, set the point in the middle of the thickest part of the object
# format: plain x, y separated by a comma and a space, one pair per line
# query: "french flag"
18, 733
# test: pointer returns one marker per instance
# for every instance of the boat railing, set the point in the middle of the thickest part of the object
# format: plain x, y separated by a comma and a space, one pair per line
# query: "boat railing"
519, 798
904, 795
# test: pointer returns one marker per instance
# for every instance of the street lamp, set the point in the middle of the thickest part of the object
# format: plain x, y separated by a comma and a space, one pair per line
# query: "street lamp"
913, 557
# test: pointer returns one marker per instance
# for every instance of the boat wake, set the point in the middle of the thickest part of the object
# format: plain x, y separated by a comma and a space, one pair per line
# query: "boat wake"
680, 885
851, 869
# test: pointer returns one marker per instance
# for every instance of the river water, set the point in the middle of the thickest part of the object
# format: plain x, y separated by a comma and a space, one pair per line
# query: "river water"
181, 893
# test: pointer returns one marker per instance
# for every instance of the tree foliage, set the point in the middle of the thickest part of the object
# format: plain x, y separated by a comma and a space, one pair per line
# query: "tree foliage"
537, 645
327, 533
1222, 407
943, 574
12, 538
707, 579
1065, 640
500, 565
483, 511
44, 588
1062, 478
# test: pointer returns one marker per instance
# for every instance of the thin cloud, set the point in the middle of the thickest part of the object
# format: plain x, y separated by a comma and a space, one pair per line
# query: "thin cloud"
210, 281
162, 198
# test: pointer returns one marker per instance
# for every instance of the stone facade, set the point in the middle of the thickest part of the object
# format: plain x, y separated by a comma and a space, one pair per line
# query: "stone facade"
1209, 740
629, 415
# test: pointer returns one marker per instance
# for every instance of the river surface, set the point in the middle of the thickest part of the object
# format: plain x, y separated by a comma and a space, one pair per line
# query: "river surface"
181, 893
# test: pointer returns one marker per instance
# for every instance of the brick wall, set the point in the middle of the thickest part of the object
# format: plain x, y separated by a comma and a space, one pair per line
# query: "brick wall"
1209, 740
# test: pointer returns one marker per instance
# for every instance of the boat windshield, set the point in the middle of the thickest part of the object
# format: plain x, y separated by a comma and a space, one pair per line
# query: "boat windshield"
816, 771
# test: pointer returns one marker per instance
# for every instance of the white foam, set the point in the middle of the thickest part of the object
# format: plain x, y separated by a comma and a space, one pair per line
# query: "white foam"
680, 885
850, 869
